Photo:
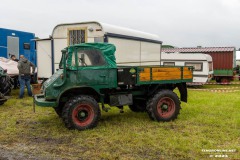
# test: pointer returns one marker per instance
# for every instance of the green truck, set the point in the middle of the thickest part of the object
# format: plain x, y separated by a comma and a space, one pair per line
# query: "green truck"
88, 77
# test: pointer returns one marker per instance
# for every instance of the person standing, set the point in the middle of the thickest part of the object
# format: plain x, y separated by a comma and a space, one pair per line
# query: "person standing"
24, 67
13, 57
15, 78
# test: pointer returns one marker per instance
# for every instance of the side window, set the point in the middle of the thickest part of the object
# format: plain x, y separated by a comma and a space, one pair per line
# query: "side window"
210, 65
76, 36
169, 63
197, 66
90, 58
83, 59
26, 46
73, 60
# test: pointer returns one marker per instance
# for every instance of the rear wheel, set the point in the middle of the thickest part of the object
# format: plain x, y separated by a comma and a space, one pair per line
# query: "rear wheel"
81, 112
164, 106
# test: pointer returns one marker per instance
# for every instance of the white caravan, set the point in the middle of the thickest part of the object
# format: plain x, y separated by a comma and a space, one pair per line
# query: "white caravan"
202, 63
132, 47
238, 58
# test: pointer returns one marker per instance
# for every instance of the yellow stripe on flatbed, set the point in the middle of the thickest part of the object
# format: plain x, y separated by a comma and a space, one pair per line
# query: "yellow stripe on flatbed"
164, 73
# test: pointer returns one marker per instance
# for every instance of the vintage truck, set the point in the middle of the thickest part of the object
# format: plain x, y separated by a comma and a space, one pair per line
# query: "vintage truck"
88, 75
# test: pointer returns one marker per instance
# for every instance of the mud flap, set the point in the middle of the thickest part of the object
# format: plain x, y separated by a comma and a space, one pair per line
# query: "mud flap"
182, 87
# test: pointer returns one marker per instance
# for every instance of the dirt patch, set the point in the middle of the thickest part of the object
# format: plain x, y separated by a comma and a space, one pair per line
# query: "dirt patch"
14, 154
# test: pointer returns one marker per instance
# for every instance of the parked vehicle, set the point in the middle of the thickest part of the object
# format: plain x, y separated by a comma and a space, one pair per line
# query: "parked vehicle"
14, 42
133, 47
5, 85
238, 58
202, 63
224, 60
89, 75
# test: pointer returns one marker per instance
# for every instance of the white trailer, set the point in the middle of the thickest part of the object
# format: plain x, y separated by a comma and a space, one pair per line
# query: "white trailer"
238, 58
132, 47
202, 63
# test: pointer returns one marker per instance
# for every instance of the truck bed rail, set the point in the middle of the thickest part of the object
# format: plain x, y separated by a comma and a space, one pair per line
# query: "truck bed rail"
164, 74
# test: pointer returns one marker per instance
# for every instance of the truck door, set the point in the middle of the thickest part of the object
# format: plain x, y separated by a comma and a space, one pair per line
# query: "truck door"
92, 68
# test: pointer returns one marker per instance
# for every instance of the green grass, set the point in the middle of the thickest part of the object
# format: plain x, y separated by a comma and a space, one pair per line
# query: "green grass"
208, 121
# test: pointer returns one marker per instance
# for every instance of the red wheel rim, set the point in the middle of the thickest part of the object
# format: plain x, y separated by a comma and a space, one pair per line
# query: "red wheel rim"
166, 107
83, 115
225, 81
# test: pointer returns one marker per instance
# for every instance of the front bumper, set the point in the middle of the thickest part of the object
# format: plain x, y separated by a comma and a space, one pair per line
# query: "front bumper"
41, 101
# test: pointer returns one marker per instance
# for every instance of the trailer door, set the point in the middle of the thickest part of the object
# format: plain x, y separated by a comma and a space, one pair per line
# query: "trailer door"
44, 58
12, 46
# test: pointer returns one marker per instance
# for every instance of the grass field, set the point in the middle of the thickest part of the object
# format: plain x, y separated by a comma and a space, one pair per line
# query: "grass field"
208, 122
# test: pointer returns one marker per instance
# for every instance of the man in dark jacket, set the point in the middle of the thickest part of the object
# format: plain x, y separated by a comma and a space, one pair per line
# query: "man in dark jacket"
24, 67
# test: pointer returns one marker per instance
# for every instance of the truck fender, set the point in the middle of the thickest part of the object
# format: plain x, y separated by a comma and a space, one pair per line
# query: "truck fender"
182, 87
79, 91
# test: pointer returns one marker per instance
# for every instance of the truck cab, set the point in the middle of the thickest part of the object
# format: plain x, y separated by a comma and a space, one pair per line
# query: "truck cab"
88, 75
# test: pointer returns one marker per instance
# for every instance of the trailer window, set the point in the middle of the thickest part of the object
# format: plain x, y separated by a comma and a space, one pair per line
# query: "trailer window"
76, 36
197, 66
90, 58
169, 63
210, 65
26, 46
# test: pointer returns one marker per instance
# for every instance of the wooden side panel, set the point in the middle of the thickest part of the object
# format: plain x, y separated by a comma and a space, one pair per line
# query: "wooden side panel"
145, 75
187, 74
164, 73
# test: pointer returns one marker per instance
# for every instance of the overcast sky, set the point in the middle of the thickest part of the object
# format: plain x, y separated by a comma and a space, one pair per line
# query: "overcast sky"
181, 23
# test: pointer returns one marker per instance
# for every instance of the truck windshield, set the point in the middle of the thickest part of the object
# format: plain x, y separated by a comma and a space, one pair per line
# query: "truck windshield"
61, 62
88, 57
91, 57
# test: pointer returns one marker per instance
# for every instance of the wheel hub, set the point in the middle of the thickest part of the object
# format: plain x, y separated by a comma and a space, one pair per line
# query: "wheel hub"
82, 115
164, 107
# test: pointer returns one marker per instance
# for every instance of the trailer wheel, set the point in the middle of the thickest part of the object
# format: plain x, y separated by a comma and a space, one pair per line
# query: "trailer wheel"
138, 106
218, 80
225, 81
81, 112
164, 106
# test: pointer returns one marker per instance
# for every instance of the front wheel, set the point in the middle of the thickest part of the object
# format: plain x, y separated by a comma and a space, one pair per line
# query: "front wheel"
81, 112
164, 106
